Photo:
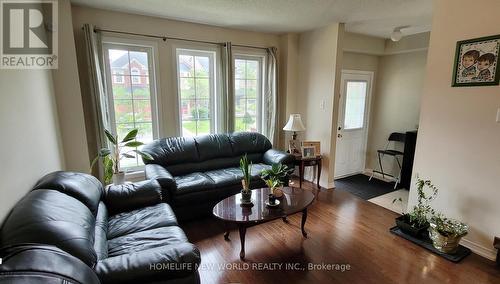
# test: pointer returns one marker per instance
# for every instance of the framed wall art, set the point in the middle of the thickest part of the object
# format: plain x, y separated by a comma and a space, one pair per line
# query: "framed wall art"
476, 62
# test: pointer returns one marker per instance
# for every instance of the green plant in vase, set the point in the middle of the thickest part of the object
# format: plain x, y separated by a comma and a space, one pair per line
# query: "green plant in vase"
275, 178
446, 233
246, 170
111, 157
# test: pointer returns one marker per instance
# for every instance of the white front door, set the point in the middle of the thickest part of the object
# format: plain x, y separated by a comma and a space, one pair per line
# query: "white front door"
352, 128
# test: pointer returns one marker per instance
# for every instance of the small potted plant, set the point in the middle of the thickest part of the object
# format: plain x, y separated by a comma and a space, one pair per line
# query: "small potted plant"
278, 173
111, 159
446, 233
415, 223
246, 170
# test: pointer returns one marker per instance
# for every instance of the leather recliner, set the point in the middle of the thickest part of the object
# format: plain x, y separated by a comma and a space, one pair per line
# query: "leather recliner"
197, 172
69, 230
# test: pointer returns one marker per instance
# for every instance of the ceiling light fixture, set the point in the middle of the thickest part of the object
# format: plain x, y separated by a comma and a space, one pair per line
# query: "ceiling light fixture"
396, 34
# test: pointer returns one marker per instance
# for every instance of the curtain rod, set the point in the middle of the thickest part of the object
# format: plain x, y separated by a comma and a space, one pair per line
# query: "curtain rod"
164, 38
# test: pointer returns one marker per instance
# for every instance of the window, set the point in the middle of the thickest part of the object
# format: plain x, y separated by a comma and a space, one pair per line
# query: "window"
132, 93
196, 91
354, 116
136, 75
248, 93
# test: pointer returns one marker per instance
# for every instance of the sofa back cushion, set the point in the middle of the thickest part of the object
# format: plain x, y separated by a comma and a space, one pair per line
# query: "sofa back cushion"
46, 216
86, 188
207, 152
172, 151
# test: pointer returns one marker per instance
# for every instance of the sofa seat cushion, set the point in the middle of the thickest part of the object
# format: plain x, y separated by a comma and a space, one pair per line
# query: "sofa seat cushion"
257, 170
193, 182
159, 215
145, 240
233, 176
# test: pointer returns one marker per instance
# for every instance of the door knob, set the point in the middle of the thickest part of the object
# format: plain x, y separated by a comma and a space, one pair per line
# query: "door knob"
340, 128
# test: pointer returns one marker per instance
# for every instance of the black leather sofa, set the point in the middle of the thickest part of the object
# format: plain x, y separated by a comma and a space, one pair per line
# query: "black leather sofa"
68, 229
196, 173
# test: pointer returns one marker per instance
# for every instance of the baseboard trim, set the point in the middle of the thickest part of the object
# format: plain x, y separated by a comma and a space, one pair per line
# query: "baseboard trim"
485, 252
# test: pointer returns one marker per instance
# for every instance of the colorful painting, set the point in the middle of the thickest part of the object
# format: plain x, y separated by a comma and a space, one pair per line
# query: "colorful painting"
476, 62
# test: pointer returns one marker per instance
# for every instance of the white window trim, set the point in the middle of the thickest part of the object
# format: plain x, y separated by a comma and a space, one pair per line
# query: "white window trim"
110, 42
260, 55
118, 78
216, 118
135, 76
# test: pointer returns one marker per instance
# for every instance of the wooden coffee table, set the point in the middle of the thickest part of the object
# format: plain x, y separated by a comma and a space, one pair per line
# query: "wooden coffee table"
230, 210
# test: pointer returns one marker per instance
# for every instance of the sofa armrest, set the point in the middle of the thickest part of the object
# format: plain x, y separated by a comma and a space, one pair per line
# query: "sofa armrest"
273, 156
164, 177
161, 263
130, 196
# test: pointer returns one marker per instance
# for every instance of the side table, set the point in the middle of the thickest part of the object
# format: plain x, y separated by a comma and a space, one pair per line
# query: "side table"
308, 162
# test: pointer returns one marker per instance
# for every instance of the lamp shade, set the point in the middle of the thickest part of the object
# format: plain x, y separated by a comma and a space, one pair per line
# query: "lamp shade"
294, 123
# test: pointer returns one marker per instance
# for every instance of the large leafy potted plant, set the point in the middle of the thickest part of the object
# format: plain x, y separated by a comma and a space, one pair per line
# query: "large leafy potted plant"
246, 170
275, 177
446, 233
111, 157
415, 223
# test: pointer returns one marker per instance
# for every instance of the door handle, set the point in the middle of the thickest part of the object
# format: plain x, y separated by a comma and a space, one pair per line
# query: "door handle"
340, 128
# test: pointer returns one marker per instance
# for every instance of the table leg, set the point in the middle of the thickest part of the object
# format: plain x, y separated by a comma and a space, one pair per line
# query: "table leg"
226, 233
285, 219
243, 231
319, 172
301, 173
304, 218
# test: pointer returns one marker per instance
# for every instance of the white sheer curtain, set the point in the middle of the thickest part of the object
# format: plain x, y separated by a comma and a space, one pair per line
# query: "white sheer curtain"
97, 86
271, 97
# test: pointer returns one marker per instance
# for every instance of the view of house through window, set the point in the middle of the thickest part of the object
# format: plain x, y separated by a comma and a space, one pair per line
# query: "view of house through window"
131, 102
248, 89
196, 91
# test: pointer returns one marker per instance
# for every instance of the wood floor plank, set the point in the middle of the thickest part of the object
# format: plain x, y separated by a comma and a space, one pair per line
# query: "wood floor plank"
342, 229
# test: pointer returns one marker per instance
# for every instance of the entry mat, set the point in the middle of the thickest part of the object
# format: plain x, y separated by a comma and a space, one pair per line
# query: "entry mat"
460, 254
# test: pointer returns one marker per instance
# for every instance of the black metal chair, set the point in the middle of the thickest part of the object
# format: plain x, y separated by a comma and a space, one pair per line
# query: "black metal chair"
394, 137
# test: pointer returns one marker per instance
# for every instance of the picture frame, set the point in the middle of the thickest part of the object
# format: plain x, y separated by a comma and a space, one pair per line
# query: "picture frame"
308, 152
315, 144
476, 62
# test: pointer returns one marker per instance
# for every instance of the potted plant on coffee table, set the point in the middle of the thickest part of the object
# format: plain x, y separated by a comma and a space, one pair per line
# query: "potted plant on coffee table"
111, 157
275, 177
246, 170
415, 223
446, 233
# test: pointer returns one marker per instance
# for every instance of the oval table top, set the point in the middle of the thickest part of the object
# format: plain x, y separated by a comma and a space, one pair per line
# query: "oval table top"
294, 200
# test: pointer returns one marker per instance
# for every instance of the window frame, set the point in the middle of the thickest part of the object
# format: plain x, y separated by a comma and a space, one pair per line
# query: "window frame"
153, 74
214, 83
244, 54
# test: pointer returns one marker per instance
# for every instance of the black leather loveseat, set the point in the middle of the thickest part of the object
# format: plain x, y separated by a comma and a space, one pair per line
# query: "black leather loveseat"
68, 229
196, 173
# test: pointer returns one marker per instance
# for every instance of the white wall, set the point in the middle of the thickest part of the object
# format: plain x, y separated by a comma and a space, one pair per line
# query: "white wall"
320, 59
68, 96
395, 103
458, 143
30, 146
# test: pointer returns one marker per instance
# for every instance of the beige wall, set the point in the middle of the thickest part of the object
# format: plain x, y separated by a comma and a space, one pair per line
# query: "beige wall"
68, 96
159, 26
30, 146
395, 105
320, 59
458, 143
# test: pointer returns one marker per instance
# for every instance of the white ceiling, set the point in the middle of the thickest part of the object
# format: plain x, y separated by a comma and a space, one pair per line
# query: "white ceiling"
371, 17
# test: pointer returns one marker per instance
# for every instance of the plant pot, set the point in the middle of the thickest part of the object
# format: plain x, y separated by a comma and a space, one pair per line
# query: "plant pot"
246, 196
119, 178
278, 192
404, 225
446, 244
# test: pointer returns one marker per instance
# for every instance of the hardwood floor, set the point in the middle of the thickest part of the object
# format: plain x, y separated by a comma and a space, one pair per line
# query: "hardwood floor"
342, 229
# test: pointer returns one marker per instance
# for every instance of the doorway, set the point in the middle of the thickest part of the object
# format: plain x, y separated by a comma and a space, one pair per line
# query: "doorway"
352, 131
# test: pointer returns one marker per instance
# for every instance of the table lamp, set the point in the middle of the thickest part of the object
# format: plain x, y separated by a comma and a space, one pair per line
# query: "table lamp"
294, 124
